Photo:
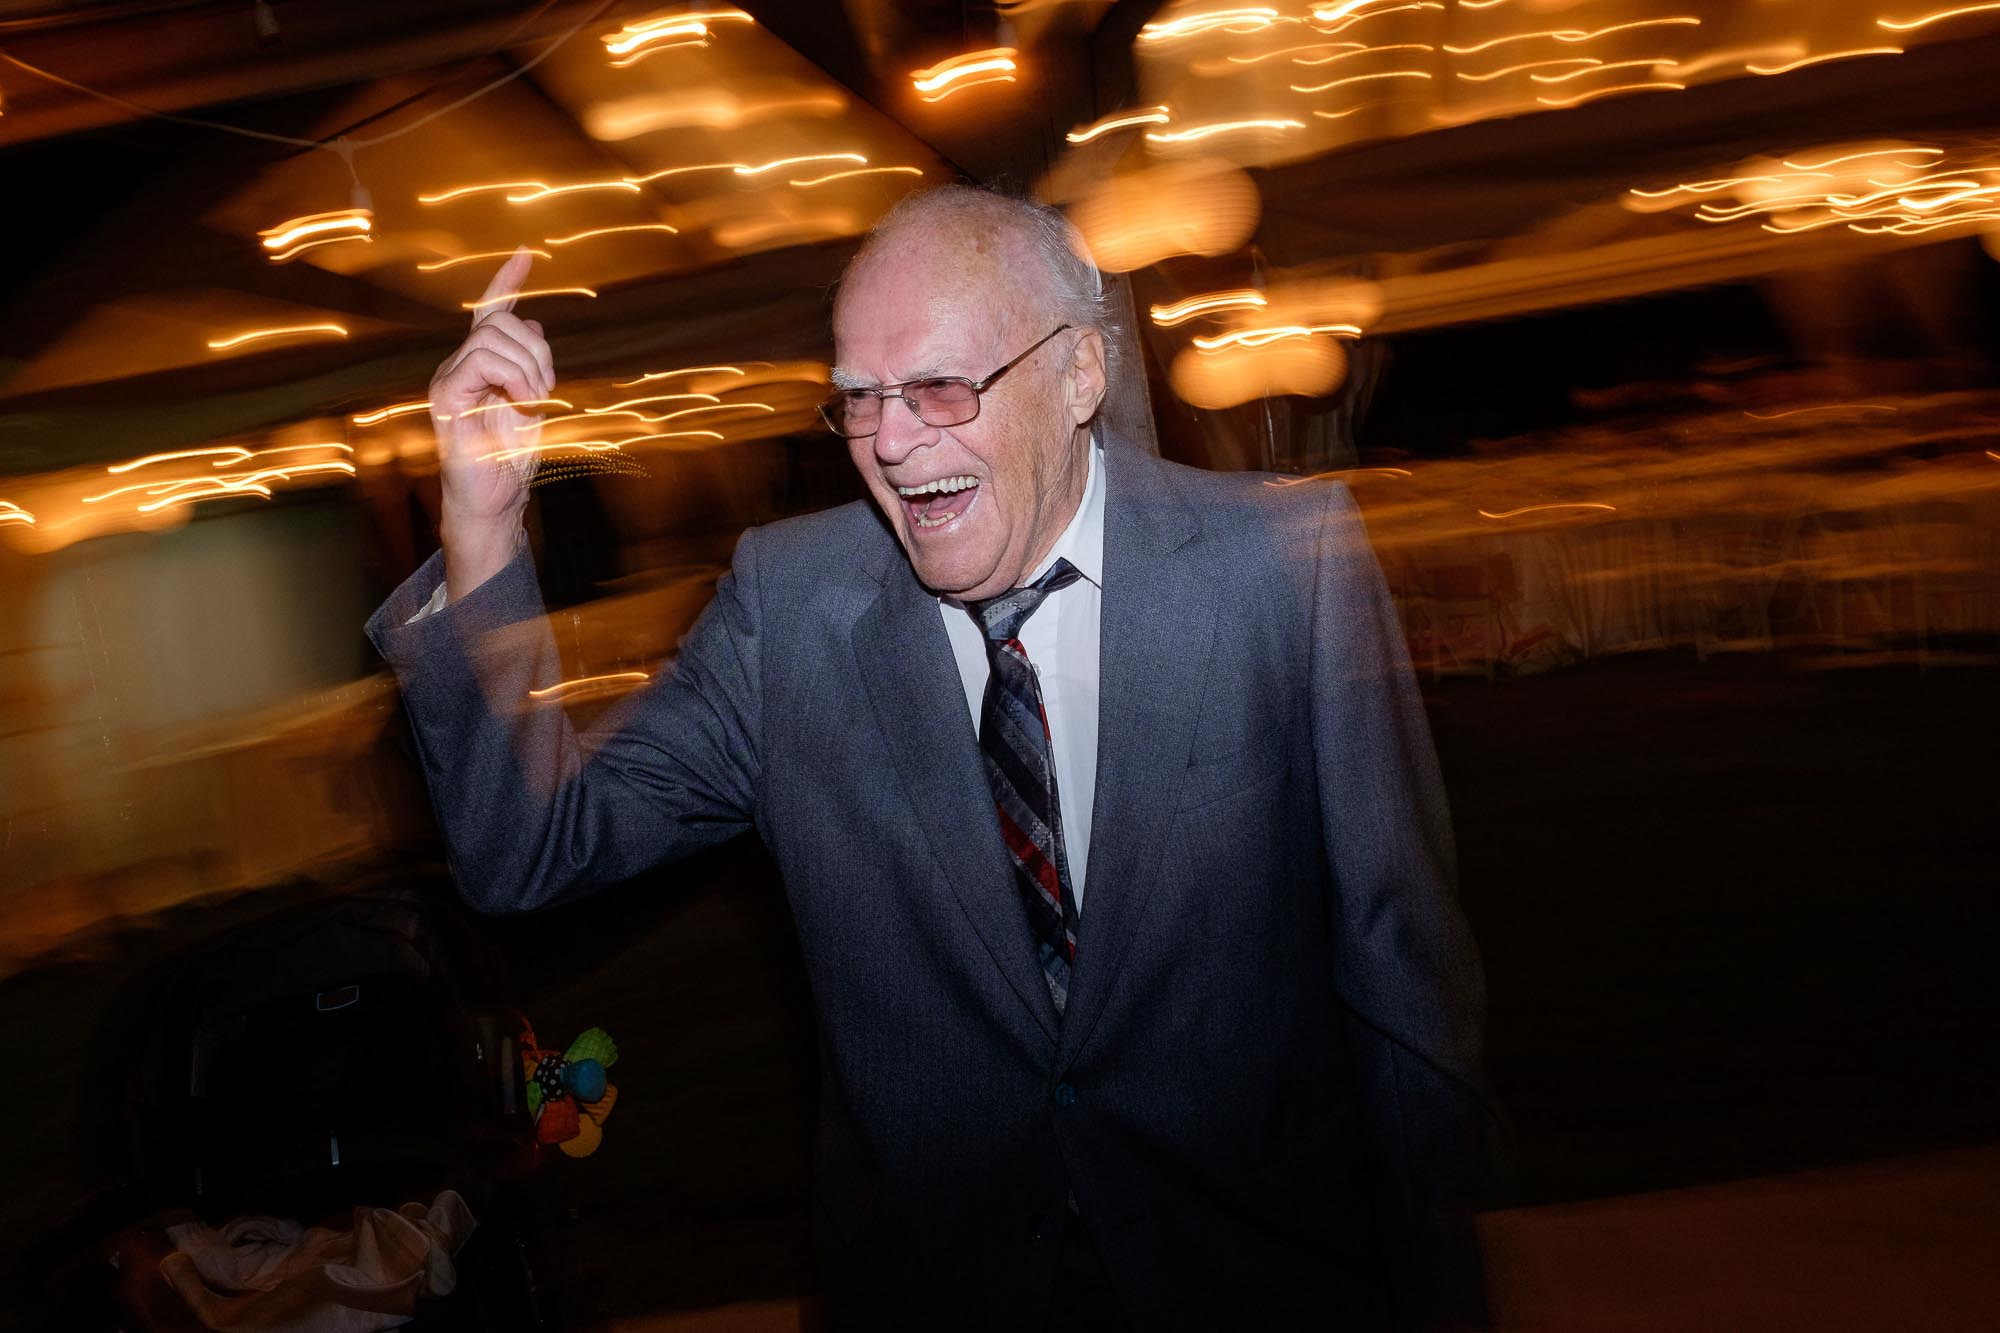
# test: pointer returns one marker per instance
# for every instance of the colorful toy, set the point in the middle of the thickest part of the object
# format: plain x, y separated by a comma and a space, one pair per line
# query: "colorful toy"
569, 1094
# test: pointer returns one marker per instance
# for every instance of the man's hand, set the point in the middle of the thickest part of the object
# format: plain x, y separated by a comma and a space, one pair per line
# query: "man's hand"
504, 361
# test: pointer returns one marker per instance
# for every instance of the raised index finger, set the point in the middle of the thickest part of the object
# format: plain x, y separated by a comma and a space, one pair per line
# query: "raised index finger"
506, 284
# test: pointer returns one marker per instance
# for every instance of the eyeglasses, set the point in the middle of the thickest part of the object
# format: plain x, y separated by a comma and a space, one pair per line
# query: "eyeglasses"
942, 400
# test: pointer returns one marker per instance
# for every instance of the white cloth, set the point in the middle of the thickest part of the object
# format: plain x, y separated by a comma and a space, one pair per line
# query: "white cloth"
1061, 639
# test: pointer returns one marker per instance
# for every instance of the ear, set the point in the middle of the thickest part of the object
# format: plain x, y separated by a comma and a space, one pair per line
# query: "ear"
1083, 377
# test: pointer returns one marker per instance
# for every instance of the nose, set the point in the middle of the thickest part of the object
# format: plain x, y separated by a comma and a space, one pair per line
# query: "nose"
902, 432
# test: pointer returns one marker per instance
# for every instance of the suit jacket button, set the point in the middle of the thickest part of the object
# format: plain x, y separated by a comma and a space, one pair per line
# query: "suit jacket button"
1065, 1095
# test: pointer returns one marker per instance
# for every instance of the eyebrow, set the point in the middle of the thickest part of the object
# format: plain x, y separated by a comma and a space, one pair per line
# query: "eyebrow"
847, 379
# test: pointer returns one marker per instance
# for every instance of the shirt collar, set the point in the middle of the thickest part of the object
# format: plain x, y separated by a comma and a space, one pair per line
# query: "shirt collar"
1082, 542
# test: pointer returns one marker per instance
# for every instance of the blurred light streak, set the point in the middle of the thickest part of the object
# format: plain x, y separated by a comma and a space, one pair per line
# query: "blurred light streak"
1989, 453
1857, 157
439, 265
1342, 25
1801, 63
677, 29
1227, 20
1262, 56
610, 231
238, 454
1157, 115
856, 171
1678, 21
285, 233
1925, 20
1613, 91
296, 448
1179, 312
462, 191
1527, 65
523, 296
612, 683
526, 450
1359, 107
1823, 407
1223, 127
522, 406
1280, 483
939, 81
684, 370
630, 403
718, 109
1542, 509
718, 407
1355, 78
1365, 51
294, 237
384, 414
665, 172
304, 246
13, 513
287, 331
1687, 69
541, 192
1263, 337
743, 170
1595, 67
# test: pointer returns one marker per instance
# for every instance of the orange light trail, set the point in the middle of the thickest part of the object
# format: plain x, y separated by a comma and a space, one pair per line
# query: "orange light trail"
719, 407
464, 190
1262, 56
665, 172
1527, 65
523, 296
1344, 24
238, 451
1365, 51
1225, 127
13, 513
1687, 69
1157, 115
958, 73
1823, 407
1857, 157
684, 370
399, 410
857, 171
1266, 336
1801, 63
1357, 78
775, 163
589, 684
522, 406
1179, 312
541, 192
289, 330
301, 234
439, 265
1678, 21
1228, 20
1595, 67
653, 398
610, 231
1925, 20
1613, 91
1539, 509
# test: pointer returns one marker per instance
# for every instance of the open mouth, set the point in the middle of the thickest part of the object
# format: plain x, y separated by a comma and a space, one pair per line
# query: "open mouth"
936, 503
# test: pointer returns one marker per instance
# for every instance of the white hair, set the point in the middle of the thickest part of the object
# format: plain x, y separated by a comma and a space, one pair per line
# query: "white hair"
1074, 291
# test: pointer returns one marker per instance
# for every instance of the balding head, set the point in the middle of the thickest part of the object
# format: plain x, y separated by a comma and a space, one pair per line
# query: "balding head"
958, 282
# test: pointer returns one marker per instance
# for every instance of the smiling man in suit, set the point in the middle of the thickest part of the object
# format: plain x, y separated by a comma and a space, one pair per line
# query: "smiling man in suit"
1103, 798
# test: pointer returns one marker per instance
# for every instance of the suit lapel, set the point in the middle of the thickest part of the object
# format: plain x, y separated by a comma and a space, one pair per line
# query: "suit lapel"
1155, 637
914, 688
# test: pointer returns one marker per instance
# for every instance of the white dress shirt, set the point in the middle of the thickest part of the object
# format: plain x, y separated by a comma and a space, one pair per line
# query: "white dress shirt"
1061, 639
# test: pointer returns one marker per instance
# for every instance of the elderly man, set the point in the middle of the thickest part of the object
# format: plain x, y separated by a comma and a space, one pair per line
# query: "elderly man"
1103, 799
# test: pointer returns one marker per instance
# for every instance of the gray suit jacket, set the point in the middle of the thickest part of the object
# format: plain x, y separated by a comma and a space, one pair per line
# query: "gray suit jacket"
1261, 1096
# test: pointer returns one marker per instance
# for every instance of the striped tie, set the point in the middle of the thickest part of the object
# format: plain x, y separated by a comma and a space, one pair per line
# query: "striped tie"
1014, 738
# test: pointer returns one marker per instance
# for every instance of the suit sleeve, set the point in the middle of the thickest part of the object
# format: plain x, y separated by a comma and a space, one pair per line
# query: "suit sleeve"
1405, 965
534, 811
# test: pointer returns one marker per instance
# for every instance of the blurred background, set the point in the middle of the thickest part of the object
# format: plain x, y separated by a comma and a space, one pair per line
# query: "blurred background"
1656, 338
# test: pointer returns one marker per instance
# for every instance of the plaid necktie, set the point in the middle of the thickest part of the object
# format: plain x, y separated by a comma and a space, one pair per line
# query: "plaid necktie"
1014, 738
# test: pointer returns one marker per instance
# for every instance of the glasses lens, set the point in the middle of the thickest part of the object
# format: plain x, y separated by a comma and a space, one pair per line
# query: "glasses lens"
852, 414
945, 402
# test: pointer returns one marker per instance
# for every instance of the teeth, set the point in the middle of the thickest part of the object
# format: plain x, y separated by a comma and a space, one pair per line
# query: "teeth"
935, 520
943, 485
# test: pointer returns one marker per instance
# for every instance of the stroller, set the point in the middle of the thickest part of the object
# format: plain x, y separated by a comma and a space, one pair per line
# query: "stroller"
338, 1056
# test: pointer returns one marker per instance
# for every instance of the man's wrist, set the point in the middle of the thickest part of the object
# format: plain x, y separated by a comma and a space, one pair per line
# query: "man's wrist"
475, 550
